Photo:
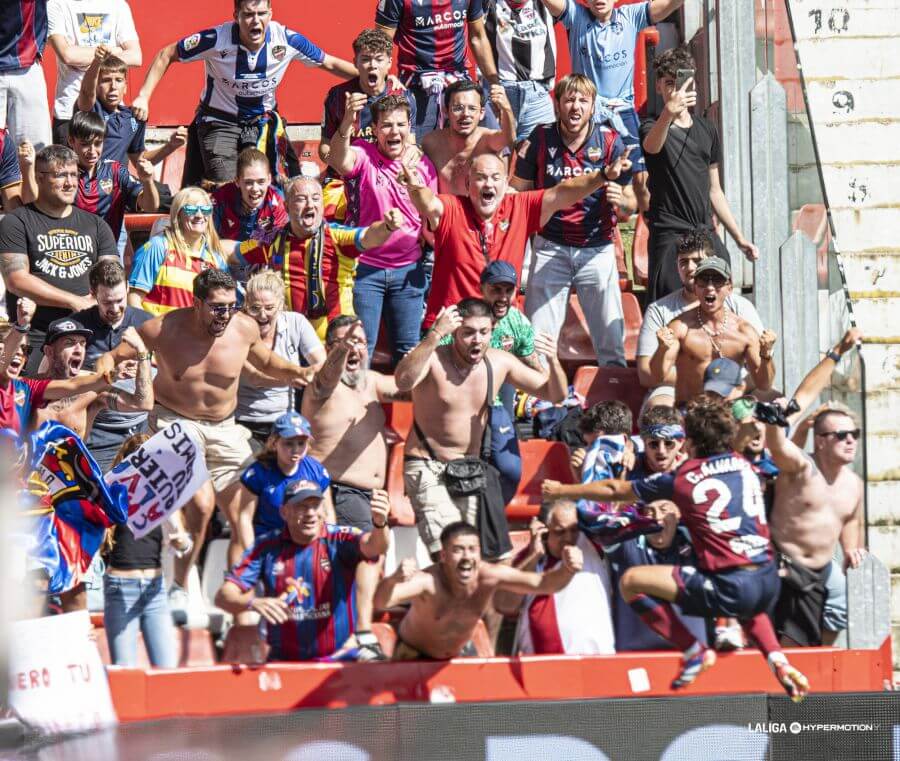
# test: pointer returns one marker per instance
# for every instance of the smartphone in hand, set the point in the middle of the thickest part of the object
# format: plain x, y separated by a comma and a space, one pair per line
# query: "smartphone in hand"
683, 75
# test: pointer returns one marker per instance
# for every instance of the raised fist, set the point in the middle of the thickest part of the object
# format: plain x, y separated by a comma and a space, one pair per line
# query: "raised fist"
25, 309
667, 338
572, 558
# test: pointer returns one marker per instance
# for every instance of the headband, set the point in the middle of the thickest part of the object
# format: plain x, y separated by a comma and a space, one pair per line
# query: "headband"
666, 432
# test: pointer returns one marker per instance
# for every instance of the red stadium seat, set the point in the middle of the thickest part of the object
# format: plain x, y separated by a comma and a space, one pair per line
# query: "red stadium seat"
602, 384
141, 222
540, 460
173, 169
639, 262
399, 418
575, 347
401, 509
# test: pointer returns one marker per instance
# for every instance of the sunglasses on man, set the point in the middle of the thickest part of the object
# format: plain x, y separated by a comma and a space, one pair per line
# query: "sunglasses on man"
222, 310
842, 435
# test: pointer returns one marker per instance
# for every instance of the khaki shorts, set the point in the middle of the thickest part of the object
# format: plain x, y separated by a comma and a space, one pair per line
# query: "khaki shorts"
227, 447
434, 507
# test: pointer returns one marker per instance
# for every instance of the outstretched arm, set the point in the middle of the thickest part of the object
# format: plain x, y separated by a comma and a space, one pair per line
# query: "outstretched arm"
818, 378
785, 453
547, 583
140, 106
329, 375
608, 490
266, 361
552, 386
404, 585
569, 192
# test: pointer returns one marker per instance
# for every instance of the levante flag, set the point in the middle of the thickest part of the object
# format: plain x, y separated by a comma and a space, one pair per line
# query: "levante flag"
70, 503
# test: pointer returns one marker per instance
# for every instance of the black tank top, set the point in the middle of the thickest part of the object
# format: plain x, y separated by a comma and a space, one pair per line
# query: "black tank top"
131, 554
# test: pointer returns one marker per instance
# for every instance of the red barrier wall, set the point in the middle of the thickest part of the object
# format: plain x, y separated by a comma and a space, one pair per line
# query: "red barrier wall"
222, 690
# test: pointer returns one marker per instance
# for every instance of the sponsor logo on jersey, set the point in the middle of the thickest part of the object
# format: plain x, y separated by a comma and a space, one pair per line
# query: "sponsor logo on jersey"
191, 42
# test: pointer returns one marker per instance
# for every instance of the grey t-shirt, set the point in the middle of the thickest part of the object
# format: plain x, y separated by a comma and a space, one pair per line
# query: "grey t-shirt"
661, 313
295, 338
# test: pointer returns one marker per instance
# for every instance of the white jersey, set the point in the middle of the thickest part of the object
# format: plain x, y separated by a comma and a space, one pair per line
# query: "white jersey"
241, 84
577, 620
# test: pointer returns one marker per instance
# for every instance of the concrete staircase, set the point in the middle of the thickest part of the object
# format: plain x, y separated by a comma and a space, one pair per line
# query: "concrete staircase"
848, 55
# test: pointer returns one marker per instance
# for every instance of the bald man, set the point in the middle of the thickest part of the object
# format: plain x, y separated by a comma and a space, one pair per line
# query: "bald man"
485, 224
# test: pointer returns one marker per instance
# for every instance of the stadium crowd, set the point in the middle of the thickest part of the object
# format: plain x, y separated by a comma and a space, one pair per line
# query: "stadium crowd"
455, 215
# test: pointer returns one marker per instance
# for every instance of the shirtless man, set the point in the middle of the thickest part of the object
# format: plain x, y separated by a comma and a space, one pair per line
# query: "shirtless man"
343, 405
449, 387
64, 351
453, 147
450, 597
698, 336
199, 352
818, 503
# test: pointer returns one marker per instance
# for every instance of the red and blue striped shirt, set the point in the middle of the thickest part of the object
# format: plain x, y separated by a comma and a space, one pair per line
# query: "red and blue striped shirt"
323, 610
23, 33
108, 193
431, 34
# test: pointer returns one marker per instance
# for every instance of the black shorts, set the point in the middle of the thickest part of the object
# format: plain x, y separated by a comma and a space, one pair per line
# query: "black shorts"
352, 506
740, 592
801, 605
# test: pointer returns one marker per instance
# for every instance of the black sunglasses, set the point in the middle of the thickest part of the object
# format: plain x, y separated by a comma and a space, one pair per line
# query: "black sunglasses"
222, 310
842, 435
717, 280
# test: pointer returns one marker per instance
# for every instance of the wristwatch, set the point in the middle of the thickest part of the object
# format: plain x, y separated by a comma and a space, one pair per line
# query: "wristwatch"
381, 526
834, 356
142, 355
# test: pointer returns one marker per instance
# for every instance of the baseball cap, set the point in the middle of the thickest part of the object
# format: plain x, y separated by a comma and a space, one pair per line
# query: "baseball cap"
722, 376
297, 491
292, 424
713, 264
499, 272
66, 326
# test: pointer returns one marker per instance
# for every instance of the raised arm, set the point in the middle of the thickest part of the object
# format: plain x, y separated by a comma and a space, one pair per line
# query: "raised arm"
505, 137
26, 156
556, 7
341, 157
140, 106
679, 102
339, 67
818, 378
413, 368
148, 199
141, 400
662, 363
25, 309
87, 95
662, 9
481, 50
404, 585
547, 583
427, 203
378, 232
759, 358
374, 543
785, 453
329, 375
553, 385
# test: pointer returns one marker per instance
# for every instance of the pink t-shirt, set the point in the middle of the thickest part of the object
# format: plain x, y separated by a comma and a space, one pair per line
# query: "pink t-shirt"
380, 191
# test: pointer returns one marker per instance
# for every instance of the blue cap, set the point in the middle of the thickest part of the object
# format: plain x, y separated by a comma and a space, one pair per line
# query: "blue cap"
499, 272
722, 376
292, 424
297, 491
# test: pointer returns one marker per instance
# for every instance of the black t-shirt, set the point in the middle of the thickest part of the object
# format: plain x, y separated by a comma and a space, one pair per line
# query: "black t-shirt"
60, 252
679, 175
131, 554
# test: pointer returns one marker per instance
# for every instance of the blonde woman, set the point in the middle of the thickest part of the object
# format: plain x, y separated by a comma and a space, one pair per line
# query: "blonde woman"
261, 400
164, 268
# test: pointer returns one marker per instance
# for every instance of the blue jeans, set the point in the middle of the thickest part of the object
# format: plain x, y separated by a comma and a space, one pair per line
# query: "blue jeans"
531, 104
104, 444
505, 451
397, 295
133, 603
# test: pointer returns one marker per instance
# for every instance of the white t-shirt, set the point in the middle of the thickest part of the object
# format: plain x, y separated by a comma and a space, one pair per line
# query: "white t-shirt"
86, 23
661, 313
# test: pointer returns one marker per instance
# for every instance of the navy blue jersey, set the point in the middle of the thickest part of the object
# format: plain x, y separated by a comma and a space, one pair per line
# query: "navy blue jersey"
721, 504
124, 133
545, 160
9, 161
108, 193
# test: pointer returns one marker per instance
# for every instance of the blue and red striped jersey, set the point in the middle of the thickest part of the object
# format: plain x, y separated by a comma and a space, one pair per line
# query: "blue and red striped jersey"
108, 193
545, 160
233, 223
721, 504
9, 161
23, 33
431, 34
323, 610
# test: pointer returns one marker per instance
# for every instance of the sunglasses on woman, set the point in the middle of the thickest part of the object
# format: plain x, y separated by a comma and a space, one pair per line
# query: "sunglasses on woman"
842, 435
190, 209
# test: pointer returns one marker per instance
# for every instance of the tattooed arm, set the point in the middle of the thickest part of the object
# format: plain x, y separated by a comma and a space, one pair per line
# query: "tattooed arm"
16, 272
142, 399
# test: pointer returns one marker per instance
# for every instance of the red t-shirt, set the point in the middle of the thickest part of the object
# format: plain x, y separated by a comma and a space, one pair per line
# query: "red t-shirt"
17, 399
463, 242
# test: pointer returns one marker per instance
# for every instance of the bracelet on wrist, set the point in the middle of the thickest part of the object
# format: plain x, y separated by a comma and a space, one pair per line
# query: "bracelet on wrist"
381, 526
144, 355
834, 356
21, 328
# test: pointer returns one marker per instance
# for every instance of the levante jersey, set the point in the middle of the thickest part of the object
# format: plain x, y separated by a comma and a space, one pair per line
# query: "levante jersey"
431, 34
322, 605
241, 85
721, 504
261, 224
9, 162
545, 160
108, 193
23, 33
